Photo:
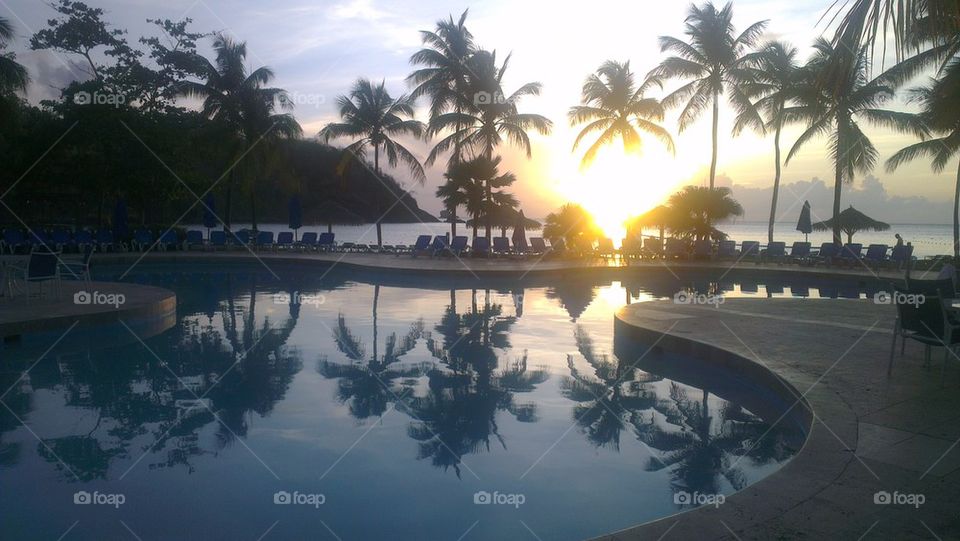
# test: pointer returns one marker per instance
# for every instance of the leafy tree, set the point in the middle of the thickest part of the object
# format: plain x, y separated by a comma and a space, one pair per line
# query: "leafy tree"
696, 208
613, 104
13, 76
574, 225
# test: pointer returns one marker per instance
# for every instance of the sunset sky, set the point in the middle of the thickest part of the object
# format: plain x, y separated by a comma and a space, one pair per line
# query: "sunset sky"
317, 48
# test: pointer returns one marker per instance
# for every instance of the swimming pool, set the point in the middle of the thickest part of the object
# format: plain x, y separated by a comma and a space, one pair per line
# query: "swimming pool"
343, 406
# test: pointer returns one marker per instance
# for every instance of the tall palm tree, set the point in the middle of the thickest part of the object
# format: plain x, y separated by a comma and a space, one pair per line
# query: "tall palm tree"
716, 60
444, 73
869, 22
774, 81
243, 102
13, 76
613, 104
487, 115
696, 208
453, 193
939, 111
375, 118
832, 102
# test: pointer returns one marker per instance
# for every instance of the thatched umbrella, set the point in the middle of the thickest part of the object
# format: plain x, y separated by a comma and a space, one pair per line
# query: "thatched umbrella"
659, 217
505, 217
331, 212
852, 221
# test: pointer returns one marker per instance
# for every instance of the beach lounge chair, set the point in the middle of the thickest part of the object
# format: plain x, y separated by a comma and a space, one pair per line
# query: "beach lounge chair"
142, 240
703, 249
850, 253
458, 246
605, 248
727, 250
13, 240
307, 242
776, 251
876, 255
265, 240
538, 246
901, 256
422, 246
827, 253
218, 239
652, 248
105, 241
83, 238
169, 240
62, 239
78, 270
480, 247
194, 239
800, 252
676, 248
749, 249
326, 242
501, 245
284, 240
43, 266
40, 239
240, 239
928, 322
439, 245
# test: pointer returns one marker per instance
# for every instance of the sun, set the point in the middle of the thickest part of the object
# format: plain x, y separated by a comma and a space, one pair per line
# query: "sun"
619, 185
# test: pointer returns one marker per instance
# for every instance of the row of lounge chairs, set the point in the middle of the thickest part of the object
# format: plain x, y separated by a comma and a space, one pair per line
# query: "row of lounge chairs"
61, 240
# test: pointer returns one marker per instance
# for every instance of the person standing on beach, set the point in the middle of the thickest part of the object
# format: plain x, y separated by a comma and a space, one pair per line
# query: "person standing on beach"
899, 240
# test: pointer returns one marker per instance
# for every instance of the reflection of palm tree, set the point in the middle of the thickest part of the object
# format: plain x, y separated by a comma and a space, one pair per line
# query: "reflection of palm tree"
609, 398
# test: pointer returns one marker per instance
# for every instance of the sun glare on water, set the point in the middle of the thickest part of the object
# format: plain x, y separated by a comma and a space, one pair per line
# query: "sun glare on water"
618, 186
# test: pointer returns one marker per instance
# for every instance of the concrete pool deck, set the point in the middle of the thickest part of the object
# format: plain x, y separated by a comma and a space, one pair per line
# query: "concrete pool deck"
869, 433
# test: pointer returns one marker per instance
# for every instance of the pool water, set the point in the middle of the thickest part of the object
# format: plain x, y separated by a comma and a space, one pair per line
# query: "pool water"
336, 406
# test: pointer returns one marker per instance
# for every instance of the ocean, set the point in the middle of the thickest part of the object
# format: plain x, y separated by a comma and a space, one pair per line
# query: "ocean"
928, 240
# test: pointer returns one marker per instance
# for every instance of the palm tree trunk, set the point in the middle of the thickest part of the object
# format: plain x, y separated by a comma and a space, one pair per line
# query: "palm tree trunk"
776, 183
376, 301
489, 197
716, 122
838, 182
956, 220
376, 167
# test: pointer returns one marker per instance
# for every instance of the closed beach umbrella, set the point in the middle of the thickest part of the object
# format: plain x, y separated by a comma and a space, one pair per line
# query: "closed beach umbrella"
803, 224
120, 220
852, 221
520, 232
296, 214
209, 213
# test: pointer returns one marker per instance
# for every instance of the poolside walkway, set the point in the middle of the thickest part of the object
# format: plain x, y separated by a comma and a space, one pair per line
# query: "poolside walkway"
870, 433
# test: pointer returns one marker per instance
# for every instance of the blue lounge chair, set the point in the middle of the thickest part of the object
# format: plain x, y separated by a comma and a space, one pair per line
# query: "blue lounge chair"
703, 249
851, 253
481, 247
142, 240
241, 238
82, 238
876, 255
901, 255
307, 242
105, 240
284, 240
194, 238
439, 245
501, 245
169, 240
827, 253
421, 246
265, 239
749, 249
62, 239
218, 239
776, 251
727, 249
13, 240
800, 252
40, 239
326, 242
458, 246
78, 270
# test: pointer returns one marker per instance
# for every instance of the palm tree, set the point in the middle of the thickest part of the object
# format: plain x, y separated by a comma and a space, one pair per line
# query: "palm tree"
13, 76
453, 193
696, 208
774, 81
443, 77
370, 114
242, 101
868, 22
831, 103
718, 63
614, 105
573, 224
939, 111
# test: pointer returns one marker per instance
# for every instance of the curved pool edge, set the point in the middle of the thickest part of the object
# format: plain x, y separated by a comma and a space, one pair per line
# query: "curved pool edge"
815, 467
